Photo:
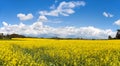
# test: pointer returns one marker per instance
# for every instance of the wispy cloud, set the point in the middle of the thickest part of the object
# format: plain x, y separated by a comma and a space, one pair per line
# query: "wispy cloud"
64, 8
107, 14
117, 22
56, 21
53, 6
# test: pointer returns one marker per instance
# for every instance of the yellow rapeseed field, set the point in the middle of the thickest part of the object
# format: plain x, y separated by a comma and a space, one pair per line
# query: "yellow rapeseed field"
51, 52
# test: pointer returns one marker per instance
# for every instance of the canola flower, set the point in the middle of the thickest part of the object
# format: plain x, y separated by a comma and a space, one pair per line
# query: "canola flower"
50, 52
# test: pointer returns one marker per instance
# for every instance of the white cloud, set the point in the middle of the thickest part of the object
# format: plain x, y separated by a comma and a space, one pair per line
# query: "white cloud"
4, 23
107, 14
24, 17
53, 6
39, 29
42, 18
117, 22
85, 32
64, 8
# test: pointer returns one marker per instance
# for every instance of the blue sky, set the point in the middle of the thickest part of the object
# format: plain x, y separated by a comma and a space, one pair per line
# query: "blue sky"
102, 15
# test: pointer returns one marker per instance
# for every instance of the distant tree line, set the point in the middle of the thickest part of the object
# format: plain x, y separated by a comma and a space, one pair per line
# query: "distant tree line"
9, 36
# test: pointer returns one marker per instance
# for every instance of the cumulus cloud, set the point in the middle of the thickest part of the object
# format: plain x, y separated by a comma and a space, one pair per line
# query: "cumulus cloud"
85, 32
24, 17
117, 22
42, 18
107, 14
39, 29
64, 8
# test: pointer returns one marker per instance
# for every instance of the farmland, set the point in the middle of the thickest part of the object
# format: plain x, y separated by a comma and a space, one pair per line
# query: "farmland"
51, 52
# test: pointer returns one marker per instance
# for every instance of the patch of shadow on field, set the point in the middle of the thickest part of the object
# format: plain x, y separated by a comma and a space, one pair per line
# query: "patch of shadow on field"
46, 58
1, 62
39, 55
25, 51
42, 55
